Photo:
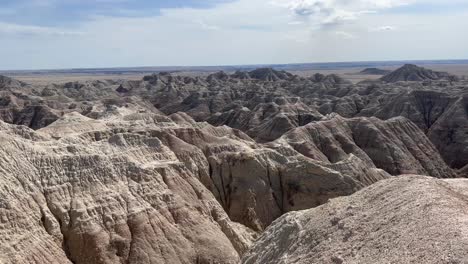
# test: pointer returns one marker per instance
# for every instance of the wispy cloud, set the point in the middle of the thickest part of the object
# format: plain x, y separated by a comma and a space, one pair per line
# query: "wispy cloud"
383, 29
10, 28
206, 26
344, 35
336, 12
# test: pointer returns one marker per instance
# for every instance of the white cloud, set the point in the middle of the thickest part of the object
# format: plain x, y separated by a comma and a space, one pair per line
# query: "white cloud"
383, 29
344, 35
10, 28
295, 23
336, 12
206, 26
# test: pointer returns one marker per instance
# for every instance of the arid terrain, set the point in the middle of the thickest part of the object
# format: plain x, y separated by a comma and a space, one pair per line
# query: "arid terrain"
350, 71
262, 165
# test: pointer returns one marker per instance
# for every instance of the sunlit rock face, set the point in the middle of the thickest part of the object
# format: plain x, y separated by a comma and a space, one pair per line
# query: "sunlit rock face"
391, 221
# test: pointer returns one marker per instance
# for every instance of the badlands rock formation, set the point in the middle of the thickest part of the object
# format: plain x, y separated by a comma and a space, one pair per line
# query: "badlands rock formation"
82, 191
396, 145
411, 72
410, 219
263, 103
375, 71
176, 169
110, 189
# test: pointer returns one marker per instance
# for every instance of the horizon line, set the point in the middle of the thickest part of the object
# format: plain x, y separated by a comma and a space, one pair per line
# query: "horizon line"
240, 66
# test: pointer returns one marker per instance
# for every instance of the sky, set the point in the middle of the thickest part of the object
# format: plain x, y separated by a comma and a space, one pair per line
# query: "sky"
58, 34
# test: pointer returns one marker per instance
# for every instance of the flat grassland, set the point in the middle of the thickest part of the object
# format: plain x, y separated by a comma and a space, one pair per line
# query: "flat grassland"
350, 72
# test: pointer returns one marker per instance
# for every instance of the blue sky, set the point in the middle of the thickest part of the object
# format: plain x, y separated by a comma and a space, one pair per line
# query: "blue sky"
42, 34
60, 12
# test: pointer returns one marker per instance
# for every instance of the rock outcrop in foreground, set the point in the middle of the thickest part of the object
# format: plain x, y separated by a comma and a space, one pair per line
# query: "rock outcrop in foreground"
408, 219
96, 192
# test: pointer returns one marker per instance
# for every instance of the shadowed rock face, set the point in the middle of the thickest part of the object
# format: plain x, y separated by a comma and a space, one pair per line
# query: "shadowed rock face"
7, 83
396, 146
174, 169
379, 224
375, 71
268, 74
413, 73
464, 172
449, 133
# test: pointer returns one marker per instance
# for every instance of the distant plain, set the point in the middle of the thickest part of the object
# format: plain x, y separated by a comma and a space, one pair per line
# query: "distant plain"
349, 71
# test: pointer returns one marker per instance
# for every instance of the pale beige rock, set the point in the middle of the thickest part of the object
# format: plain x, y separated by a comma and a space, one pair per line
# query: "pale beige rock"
408, 219
139, 188
110, 190
101, 196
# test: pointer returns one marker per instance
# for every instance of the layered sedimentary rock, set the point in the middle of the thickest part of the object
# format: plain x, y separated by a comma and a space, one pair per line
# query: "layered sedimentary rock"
449, 133
101, 193
176, 169
119, 189
397, 145
263, 103
108, 189
410, 219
